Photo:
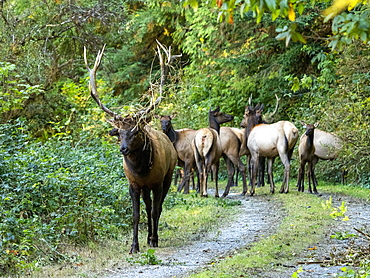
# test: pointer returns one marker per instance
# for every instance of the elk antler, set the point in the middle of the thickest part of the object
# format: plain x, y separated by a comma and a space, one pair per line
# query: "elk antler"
139, 114
164, 73
92, 83
276, 107
250, 100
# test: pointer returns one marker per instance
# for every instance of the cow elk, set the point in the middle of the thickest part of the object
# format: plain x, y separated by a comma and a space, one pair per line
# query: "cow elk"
315, 144
270, 141
233, 148
182, 140
260, 119
207, 148
149, 159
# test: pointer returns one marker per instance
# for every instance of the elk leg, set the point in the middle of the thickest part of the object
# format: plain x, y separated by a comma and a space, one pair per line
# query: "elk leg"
156, 212
186, 178
285, 186
203, 178
270, 162
254, 167
230, 173
135, 199
148, 207
179, 175
314, 180
261, 171
198, 180
242, 170
249, 167
309, 176
300, 183
215, 176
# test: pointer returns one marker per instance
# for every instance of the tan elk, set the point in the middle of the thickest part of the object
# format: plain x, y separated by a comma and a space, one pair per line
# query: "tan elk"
182, 140
315, 144
270, 141
260, 119
233, 148
207, 148
148, 160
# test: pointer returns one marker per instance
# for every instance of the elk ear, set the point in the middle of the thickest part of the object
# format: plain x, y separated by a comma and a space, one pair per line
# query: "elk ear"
158, 116
303, 124
113, 132
316, 124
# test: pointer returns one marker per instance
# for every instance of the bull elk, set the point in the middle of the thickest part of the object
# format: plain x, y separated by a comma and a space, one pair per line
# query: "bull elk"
181, 139
148, 159
207, 148
270, 141
315, 144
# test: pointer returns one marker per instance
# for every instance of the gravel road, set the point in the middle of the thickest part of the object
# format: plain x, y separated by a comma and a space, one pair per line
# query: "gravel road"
253, 222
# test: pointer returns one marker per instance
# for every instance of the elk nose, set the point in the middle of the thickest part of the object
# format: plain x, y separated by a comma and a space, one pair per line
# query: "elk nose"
124, 150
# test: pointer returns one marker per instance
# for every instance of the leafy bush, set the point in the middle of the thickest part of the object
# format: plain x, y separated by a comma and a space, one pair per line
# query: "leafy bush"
57, 192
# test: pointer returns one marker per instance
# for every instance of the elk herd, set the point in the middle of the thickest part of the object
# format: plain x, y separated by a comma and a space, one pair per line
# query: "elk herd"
150, 156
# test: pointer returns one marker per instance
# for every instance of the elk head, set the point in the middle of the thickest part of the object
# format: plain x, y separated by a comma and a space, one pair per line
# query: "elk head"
218, 116
131, 134
166, 124
252, 116
309, 128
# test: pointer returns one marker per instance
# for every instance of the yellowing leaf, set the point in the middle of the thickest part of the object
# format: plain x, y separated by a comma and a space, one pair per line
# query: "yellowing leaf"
231, 19
340, 5
166, 4
345, 218
166, 32
291, 13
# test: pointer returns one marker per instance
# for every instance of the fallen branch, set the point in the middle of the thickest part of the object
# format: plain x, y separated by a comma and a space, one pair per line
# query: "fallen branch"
315, 262
362, 233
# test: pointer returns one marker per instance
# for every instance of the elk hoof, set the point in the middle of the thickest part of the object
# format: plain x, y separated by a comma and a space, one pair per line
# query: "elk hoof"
134, 249
153, 244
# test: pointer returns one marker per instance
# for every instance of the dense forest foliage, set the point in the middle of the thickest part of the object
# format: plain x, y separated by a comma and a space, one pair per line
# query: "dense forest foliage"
57, 163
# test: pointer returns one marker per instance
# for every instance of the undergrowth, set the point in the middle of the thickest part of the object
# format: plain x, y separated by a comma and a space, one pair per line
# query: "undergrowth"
54, 193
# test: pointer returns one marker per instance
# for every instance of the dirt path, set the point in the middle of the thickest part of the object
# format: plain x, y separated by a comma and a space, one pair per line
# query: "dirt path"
256, 221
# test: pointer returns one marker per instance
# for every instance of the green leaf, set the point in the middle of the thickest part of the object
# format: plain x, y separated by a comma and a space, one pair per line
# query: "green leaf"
271, 5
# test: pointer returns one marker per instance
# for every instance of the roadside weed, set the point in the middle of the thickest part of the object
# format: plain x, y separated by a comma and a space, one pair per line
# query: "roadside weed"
336, 212
148, 258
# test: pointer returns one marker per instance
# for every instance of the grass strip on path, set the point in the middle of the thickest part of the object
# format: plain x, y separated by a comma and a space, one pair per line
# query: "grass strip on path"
306, 220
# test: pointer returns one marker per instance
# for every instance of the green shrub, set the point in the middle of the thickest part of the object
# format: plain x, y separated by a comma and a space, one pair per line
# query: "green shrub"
57, 192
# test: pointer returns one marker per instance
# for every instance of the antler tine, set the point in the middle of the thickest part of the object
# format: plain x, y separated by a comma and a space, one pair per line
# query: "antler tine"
92, 83
276, 106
